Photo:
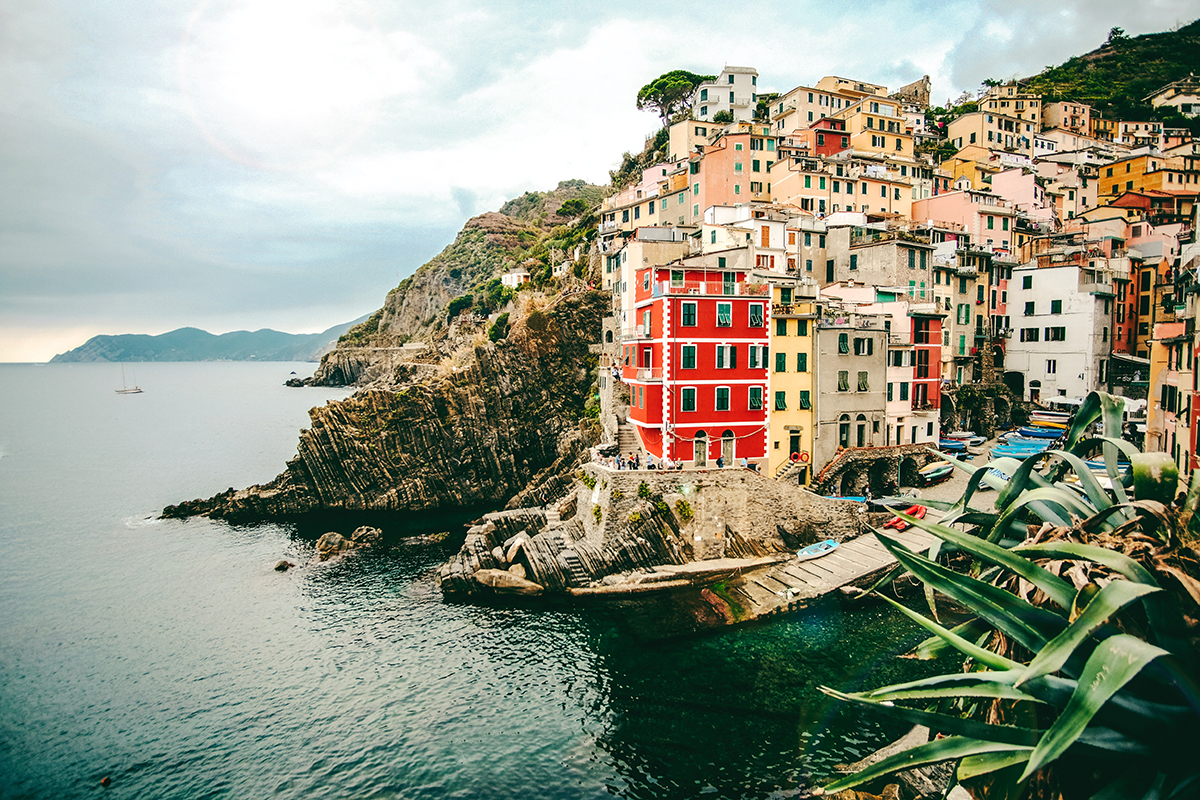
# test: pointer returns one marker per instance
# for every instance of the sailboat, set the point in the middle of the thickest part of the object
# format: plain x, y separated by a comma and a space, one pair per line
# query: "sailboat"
125, 387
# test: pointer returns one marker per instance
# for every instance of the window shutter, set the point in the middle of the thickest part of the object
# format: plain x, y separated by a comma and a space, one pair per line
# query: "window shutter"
733, 356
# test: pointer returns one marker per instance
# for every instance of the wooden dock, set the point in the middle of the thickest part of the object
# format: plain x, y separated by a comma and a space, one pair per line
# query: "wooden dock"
792, 584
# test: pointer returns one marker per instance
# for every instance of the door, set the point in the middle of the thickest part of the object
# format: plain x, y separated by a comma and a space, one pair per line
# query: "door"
700, 450
793, 444
829, 272
727, 446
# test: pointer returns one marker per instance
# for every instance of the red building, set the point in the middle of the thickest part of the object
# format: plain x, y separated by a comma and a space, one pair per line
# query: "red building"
696, 363
825, 137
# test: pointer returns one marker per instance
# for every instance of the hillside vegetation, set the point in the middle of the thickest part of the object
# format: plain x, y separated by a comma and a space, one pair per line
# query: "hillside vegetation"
1117, 76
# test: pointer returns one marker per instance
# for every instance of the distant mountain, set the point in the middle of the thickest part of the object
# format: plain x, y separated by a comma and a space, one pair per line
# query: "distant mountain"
193, 344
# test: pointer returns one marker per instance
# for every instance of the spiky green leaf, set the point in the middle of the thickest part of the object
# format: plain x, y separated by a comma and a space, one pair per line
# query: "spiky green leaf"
950, 748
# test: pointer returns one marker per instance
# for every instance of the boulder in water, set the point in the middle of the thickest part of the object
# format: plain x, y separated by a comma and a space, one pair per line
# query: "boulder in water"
366, 536
284, 566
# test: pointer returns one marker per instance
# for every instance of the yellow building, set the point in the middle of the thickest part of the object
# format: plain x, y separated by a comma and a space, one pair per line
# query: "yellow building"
791, 382
1146, 172
973, 163
1009, 100
994, 131
878, 125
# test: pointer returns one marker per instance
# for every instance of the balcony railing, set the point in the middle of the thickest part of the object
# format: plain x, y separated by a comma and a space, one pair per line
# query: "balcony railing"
720, 288
926, 405
644, 373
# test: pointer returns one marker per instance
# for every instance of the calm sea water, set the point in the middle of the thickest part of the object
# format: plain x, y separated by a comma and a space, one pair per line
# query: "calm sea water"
170, 656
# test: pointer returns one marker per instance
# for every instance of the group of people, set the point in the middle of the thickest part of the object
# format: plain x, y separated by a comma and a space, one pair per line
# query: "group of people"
634, 461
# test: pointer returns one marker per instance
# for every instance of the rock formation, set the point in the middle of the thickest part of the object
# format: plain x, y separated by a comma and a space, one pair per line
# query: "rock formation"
477, 429
333, 543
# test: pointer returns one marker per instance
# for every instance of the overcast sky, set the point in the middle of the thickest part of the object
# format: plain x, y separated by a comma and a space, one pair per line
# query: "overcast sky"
283, 163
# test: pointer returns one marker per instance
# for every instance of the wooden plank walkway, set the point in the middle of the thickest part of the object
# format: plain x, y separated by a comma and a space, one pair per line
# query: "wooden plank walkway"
857, 562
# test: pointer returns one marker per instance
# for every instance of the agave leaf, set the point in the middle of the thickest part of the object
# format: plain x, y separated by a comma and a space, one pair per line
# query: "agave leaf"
1057, 507
1097, 405
991, 691
1087, 480
945, 723
952, 747
1023, 478
1118, 562
1112, 449
1113, 663
981, 654
1109, 739
936, 645
1027, 624
984, 763
1188, 515
1108, 601
1055, 587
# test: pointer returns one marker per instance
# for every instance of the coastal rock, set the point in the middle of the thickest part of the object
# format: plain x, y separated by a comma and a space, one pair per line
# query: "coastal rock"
284, 566
518, 570
504, 582
476, 434
331, 544
366, 536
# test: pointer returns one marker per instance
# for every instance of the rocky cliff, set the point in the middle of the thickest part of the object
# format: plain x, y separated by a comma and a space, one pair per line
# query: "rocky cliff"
478, 428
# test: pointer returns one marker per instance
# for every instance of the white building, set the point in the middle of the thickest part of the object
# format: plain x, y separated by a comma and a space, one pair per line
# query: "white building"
515, 278
735, 90
1060, 339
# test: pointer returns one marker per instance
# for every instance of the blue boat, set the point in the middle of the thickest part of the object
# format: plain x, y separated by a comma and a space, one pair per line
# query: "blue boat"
816, 550
952, 445
1041, 433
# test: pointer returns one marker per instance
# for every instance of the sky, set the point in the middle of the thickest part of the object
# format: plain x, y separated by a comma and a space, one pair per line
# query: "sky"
245, 164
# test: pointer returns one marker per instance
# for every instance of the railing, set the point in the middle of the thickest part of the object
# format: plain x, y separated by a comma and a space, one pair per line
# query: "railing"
648, 374
927, 405
721, 288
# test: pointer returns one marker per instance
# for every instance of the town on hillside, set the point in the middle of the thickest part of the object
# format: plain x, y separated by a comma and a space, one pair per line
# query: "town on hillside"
813, 283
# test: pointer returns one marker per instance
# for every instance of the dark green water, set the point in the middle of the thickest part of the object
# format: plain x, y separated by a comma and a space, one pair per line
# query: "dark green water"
171, 657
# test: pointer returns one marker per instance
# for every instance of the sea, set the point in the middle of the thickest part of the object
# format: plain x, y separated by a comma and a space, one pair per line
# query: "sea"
171, 658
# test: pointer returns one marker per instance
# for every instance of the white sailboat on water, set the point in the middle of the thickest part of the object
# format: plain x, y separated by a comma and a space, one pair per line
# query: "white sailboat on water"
125, 387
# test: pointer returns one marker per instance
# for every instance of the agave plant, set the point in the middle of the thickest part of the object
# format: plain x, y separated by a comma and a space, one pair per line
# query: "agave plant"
1080, 674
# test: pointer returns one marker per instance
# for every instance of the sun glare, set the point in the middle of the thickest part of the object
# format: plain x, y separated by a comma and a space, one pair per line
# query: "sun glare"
286, 84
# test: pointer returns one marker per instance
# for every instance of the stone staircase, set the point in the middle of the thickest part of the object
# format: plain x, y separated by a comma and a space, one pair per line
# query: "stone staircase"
787, 470
577, 576
628, 440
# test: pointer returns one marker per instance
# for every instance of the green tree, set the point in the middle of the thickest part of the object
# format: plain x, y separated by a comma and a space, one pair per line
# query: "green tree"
573, 208
671, 92
723, 117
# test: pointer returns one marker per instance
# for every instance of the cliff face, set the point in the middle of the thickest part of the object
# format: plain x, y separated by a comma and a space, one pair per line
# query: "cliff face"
474, 432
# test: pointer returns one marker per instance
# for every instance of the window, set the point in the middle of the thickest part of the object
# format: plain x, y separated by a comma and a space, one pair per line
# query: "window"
991, 223
1051, 366
854, 261
802, 327
889, 392
1030, 334
805, 399
687, 399
727, 356
912, 259
687, 317
801, 362
903, 390
755, 398
1056, 334
722, 398
724, 315
1056, 306
843, 343
781, 327
843, 381
756, 165
864, 347
785, 295
756, 315
844, 430
781, 362
781, 401
688, 357
862, 382
676, 279
1029, 312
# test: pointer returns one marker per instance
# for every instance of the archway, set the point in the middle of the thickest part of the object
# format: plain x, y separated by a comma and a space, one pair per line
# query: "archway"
861, 437
998, 357
700, 449
1015, 381
854, 482
909, 470
608, 337
1035, 391
727, 447
1003, 410
844, 430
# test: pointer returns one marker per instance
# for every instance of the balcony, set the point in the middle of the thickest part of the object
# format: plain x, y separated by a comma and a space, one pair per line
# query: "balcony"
788, 310
927, 405
899, 340
718, 288
647, 374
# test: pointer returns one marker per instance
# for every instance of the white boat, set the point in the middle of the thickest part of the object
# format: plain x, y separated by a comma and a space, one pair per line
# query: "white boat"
125, 387
816, 550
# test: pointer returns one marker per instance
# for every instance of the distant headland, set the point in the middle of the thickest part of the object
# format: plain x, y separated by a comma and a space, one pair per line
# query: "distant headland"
193, 344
